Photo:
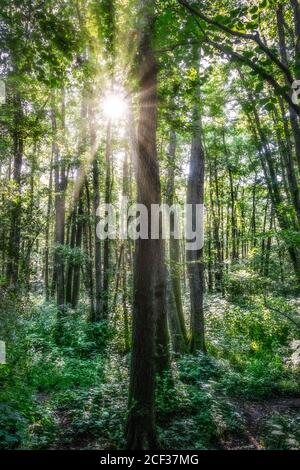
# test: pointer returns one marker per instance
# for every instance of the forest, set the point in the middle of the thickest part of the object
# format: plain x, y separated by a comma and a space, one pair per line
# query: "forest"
115, 334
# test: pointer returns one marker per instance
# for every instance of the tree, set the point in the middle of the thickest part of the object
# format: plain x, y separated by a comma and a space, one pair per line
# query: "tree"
60, 186
195, 268
141, 431
176, 315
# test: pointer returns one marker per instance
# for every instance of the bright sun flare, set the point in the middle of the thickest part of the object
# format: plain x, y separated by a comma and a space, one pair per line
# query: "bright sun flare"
114, 106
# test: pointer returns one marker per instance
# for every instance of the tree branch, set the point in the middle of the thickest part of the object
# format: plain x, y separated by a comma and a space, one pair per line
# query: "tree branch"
253, 37
256, 68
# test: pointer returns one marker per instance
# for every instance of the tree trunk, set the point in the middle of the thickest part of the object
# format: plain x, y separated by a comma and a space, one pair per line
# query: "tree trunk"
47, 236
88, 252
106, 247
79, 199
96, 203
72, 238
60, 183
195, 195
125, 307
141, 430
78, 246
179, 334
15, 215
162, 332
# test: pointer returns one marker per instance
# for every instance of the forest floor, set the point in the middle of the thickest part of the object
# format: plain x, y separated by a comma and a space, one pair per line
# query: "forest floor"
244, 394
255, 416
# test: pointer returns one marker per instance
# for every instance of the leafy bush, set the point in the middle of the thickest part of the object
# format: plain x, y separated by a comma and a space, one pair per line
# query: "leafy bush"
241, 283
282, 432
12, 427
38, 370
73, 393
192, 413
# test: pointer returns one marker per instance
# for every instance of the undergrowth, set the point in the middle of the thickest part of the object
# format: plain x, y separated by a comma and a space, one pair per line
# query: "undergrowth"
73, 393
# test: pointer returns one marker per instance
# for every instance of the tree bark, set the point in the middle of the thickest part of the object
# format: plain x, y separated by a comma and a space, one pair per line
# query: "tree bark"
106, 247
179, 333
47, 236
78, 246
96, 203
195, 268
141, 430
89, 252
15, 215
60, 185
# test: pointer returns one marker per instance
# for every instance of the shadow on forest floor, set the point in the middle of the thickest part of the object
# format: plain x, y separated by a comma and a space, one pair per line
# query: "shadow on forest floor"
257, 416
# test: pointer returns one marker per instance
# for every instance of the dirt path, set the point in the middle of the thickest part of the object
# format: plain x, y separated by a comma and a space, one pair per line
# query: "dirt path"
255, 416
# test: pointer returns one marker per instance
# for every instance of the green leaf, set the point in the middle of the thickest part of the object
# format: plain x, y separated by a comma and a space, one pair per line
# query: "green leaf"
270, 107
263, 4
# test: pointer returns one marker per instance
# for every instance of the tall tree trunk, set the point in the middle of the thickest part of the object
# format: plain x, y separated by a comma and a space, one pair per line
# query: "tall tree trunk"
179, 333
72, 239
119, 263
88, 252
26, 267
15, 215
126, 193
107, 243
234, 252
47, 236
213, 176
160, 295
60, 184
141, 430
209, 253
195, 268
253, 218
78, 247
268, 246
96, 203
79, 198
125, 306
